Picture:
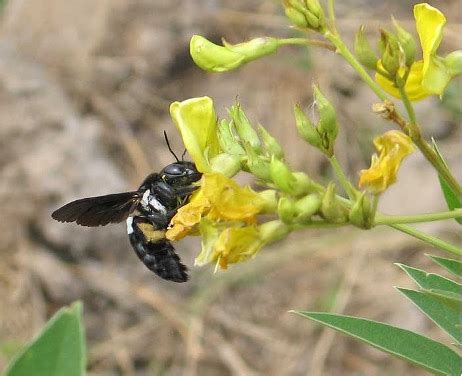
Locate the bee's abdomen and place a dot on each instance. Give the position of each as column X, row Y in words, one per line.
column 156, row 252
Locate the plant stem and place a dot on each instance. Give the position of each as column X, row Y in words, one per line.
column 429, row 217
column 345, row 183
column 413, row 130
column 309, row 42
column 436, row 242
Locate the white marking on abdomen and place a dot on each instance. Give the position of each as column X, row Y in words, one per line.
column 145, row 199
column 156, row 204
column 130, row 225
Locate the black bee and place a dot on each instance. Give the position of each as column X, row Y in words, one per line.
column 147, row 211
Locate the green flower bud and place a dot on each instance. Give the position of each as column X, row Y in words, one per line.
column 228, row 142
column 281, row 176
column 273, row 231
column 270, row 201
column 453, row 63
column 361, row 214
column 287, row 210
column 257, row 165
column 327, row 125
column 227, row 164
column 366, row 55
column 327, row 117
column 307, row 206
column 214, row 58
column 302, row 183
column 391, row 54
column 243, row 127
column 271, row 145
column 305, row 14
column 306, row 128
column 407, row 43
column 330, row 208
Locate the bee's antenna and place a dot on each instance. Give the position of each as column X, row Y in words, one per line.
column 169, row 147
column 182, row 155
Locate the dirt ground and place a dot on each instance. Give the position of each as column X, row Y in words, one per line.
column 85, row 88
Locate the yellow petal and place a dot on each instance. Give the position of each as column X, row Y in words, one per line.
column 393, row 147
column 429, row 24
column 414, row 88
column 196, row 120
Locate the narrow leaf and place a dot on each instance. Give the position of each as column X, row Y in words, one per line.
column 431, row 281
column 446, row 297
column 407, row 345
column 59, row 349
column 452, row 198
column 447, row 318
column 451, row 265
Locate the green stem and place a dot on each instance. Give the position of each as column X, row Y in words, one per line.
column 430, row 154
column 332, row 16
column 309, row 42
column 429, row 217
column 436, row 242
column 345, row 183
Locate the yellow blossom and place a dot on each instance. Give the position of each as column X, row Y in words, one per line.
column 393, row 147
column 220, row 199
column 227, row 245
column 196, row 120
column 431, row 75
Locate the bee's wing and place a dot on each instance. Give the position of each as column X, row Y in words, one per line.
column 99, row 211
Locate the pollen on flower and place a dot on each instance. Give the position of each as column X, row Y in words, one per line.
column 393, row 147
column 219, row 199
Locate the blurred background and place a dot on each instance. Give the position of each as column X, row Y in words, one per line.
column 85, row 88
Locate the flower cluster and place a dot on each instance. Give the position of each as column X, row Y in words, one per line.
column 228, row 217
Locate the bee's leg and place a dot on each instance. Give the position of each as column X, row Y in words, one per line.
column 158, row 255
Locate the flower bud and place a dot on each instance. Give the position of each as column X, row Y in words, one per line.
column 330, row 208
column 306, row 128
column 270, row 201
column 327, row 117
column 453, row 63
column 227, row 164
column 228, row 142
column 407, row 43
column 270, row 143
column 361, row 214
column 307, row 206
column 273, row 231
column 306, row 14
column 366, row 55
column 302, row 184
column 287, row 210
column 281, row 176
column 214, row 58
column 257, row 164
column 391, row 54
column 244, row 129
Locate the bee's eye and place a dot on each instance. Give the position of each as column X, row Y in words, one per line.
column 174, row 170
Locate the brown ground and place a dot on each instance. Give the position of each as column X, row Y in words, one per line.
column 84, row 94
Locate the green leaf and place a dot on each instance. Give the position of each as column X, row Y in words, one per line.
column 447, row 318
column 451, row 265
column 407, row 345
column 452, row 198
column 449, row 298
column 59, row 349
column 431, row 281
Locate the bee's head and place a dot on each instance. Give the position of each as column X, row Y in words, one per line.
column 180, row 174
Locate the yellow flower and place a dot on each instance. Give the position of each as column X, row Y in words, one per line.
column 219, row 199
column 196, row 120
column 393, row 147
column 227, row 245
column 431, row 75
